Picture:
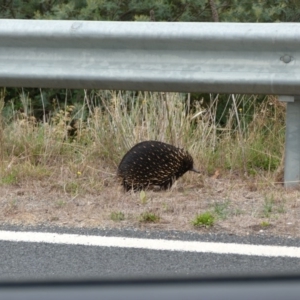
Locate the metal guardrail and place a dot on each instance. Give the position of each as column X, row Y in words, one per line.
column 156, row 56
column 177, row 57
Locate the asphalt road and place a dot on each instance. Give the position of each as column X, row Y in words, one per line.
column 30, row 260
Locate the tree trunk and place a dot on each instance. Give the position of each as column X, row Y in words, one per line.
column 152, row 15
column 214, row 11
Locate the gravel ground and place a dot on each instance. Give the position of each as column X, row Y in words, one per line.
column 239, row 207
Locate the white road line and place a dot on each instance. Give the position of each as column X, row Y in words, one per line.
column 151, row 244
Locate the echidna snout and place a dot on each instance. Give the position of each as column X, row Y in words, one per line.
column 153, row 163
column 195, row 170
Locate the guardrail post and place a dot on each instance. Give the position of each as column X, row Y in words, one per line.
column 292, row 141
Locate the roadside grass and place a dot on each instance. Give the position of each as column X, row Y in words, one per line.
column 117, row 216
column 206, row 219
column 221, row 209
column 75, row 152
column 273, row 205
column 149, row 217
column 100, row 130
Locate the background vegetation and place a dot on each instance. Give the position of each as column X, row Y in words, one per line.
column 46, row 127
column 163, row 10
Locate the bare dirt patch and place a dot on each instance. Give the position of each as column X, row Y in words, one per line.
column 239, row 207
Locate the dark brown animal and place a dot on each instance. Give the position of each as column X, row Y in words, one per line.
column 153, row 163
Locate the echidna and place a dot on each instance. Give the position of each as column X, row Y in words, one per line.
column 153, row 163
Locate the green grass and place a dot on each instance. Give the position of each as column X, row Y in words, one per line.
column 117, row 216
column 265, row 224
column 10, row 178
column 205, row 219
column 268, row 206
column 273, row 206
column 148, row 217
column 71, row 188
column 221, row 209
